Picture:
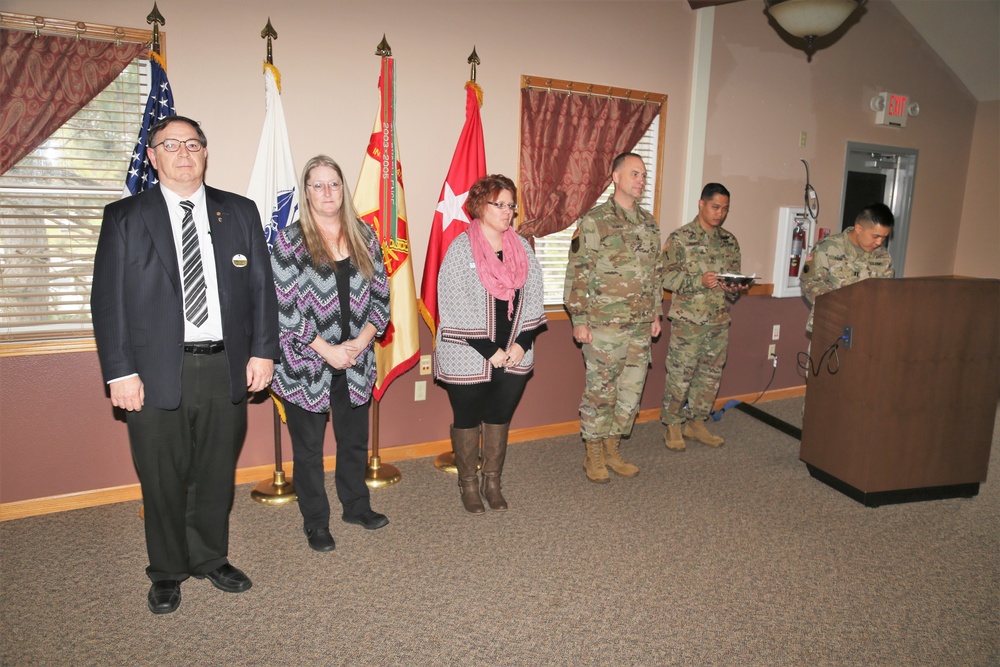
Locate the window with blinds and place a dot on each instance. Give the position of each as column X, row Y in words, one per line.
column 552, row 251
column 51, row 204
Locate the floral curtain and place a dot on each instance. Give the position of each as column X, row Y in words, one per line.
column 44, row 80
column 567, row 144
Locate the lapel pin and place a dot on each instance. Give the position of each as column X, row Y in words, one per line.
column 239, row 261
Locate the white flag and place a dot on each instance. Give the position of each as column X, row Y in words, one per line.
column 273, row 181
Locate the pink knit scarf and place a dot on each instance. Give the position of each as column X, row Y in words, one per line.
column 500, row 279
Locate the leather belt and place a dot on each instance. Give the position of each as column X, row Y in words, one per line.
column 209, row 347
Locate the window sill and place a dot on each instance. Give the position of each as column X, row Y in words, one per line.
column 36, row 347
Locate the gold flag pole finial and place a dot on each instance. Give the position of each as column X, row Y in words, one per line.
column 383, row 48
column 474, row 60
column 269, row 33
column 156, row 18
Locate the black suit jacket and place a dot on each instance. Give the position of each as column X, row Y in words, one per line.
column 137, row 300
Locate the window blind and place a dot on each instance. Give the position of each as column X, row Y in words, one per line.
column 51, row 205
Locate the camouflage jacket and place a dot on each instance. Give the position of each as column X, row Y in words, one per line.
column 614, row 269
column 690, row 253
column 836, row 262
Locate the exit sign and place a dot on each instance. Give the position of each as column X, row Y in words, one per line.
column 890, row 109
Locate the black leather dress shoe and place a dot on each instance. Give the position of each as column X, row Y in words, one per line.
column 164, row 596
column 370, row 520
column 320, row 539
column 227, row 578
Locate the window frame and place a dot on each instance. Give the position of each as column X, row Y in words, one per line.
column 81, row 340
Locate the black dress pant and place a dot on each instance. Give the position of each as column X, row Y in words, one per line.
column 490, row 402
column 350, row 428
column 186, row 460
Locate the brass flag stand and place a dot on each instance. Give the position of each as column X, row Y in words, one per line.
column 379, row 474
column 278, row 490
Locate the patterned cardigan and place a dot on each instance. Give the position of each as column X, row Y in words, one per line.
column 468, row 311
column 309, row 306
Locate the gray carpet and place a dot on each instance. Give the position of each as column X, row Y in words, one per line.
column 732, row 556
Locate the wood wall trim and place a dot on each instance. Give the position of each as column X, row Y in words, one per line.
column 71, row 501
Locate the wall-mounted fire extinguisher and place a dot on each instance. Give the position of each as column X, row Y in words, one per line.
column 798, row 242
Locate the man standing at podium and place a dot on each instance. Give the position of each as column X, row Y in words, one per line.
column 853, row 255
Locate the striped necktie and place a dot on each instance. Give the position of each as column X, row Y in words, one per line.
column 195, row 294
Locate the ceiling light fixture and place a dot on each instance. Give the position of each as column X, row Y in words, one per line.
column 810, row 19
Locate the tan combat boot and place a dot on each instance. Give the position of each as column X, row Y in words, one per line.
column 615, row 461
column 697, row 430
column 673, row 438
column 593, row 462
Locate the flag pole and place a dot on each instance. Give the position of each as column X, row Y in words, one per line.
column 278, row 490
column 155, row 18
column 445, row 461
column 380, row 474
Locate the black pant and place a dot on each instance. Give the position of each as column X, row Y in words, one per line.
column 186, row 460
column 490, row 402
column 350, row 428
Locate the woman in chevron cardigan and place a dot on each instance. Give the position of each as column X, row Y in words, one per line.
column 490, row 302
column 333, row 300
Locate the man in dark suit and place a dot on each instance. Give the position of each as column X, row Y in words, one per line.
column 186, row 323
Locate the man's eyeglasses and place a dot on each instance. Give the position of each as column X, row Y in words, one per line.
column 319, row 187
column 174, row 145
column 501, row 205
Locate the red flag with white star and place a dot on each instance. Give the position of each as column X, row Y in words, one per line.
column 450, row 218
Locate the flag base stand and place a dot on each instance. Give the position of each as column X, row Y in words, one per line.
column 378, row 474
column 445, row 461
column 275, row 492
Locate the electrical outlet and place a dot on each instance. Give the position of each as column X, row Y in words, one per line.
column 425, row 364
column 771, row 352
column 848, row 334
column 420, row 390
column 776, row 332
column 802, row 139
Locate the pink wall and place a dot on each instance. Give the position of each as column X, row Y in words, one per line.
column 979, row 236
column 59, row 433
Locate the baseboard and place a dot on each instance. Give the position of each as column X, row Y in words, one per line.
column 72, row 501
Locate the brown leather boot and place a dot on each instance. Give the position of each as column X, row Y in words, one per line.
column 697, row 430
column 673, row 438
column 494, row 453
column 465, row 443
column 613, row 459
column 593, row 462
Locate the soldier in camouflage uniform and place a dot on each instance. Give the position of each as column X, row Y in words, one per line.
column 614, row 300
column 694, row 256
column 849, row 257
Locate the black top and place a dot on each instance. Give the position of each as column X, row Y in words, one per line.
column 487, row 347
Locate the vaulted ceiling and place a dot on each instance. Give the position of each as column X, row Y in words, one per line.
column 964, row 33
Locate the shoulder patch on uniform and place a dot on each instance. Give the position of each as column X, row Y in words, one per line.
column 574, row 244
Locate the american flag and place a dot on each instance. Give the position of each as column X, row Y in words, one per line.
column 159, row 105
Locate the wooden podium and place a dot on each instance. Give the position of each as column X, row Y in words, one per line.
column 909, row 414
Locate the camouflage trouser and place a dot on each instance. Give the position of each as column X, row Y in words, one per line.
column 695, row 357
column 617, row 361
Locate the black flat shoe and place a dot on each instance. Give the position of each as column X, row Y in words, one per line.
column 227, row 578
column 371, row 520
column 320, row 539
column 164, row 596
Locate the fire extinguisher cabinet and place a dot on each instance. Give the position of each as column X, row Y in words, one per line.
column 789, row 218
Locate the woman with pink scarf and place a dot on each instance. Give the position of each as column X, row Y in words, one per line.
column 490, row 301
